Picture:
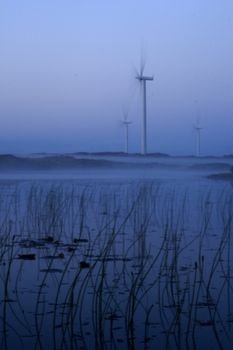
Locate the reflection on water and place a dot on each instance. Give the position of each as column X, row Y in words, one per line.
column 116, row 265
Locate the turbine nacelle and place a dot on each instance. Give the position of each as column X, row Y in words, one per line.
column 142, row 77
column 198, row 128
column 126, row 122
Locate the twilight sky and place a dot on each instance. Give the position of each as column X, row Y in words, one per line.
column 67, row 73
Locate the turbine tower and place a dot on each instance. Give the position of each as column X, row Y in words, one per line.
column 126, row 124
column 198, row 129
column 142, row 80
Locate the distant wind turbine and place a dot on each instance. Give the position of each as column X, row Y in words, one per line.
column 198, row 129
column 142, row 80
column 126, row 124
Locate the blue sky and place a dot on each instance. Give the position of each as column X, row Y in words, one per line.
column 67, row 71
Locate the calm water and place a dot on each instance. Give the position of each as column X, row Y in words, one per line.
column 115, row 259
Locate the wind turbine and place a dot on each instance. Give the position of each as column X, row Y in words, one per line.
column 126, row 124
column 142, row 80
column 198, row 129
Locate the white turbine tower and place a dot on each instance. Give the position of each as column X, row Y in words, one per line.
column 126, row 124
column 142, row 80
column 198, row 129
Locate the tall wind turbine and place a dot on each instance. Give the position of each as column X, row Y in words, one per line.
column 126, row 124
column 142, row 80
column 198, row 129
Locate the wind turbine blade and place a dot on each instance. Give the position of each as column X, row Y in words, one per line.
column 135, row 70
column 142, row 61
column 142, row 66
column 125, row 111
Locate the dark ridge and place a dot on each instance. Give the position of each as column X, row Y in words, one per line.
column 10, row 162
column 121, row 154
column 8, row 156
column 192, row 156
column 112, row 154
column 222, row 177
column 158, row 154
column 211, row 166
column 104, row 153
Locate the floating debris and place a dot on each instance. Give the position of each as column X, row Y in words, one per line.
column 84, row 265
column 206, row 304
column 184, row 268
column 26, row 256
column 51, row 270
column 112, row 317
column 80, row 240
column 71, row 249
column 8, row 300
column 206, row 323
column 114, row 258
column 48, row 239
column 29, row 243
